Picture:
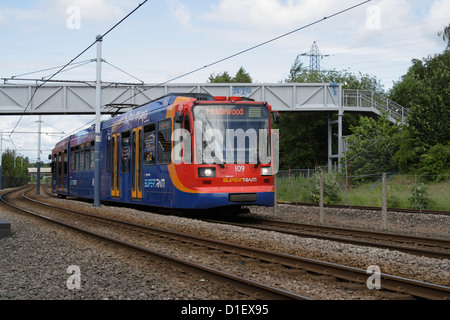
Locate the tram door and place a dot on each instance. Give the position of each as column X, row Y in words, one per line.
column 59, row 176
column 136, row 164
column 64, row 172
column 115, row 164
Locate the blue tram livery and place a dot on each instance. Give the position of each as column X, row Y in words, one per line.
column 184, row 151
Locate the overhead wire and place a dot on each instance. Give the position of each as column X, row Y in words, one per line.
column 47, row 69
column 234, row 55
column 254, row 47
column 142, row 82
column 185, row 74
column 76, row 57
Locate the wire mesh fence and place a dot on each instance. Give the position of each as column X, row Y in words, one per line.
column 402, row 191
column 8, row 182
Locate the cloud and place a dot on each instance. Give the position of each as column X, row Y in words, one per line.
column 51, row 11
column 180, row 12
column 8, row 14
column 273, row 13
column 90, row 10
column 439, row 15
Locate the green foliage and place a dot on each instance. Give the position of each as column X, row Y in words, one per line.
column 14, row 166
column 330, row 188
column 241, row 76
column 349, row 80
column 425, row 89
column 419, row 146
column 445, row 35
column 392, row 200
column 303, row 142
column 301, row 139
column 294, row 188
column 220, row 78
column 419, row 196
column 372, row 145
column 436, row 162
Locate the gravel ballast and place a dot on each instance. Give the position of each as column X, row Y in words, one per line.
column 34, row 260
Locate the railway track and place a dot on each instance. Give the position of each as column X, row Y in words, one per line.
column 344, row 206
column 422, row 246
column 292, row 265
column 242, row 285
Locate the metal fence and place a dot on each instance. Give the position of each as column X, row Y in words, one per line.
column 8, row 182
column 402, row 191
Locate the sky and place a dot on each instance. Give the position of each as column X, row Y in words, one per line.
column 164, row 39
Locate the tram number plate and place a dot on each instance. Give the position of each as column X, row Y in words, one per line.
column 239, row 168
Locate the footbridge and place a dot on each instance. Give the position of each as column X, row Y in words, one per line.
column 80, row 98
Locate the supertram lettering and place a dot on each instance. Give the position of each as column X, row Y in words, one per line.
column 239, row 180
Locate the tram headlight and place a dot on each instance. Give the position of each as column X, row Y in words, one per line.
column 266, row 171
column 206, row 172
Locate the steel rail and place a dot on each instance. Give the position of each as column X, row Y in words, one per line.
column 390, row 282
column 282, row 226
column 345, row 206
column 241, row 284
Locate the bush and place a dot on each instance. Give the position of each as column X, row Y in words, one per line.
column 330, row 189
column 392, row 200
column 436, row 162
column 419, row 196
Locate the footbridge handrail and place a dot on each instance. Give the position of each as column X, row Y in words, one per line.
column 371, row 99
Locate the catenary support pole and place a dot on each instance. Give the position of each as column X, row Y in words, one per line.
column 38, row 163
column 98, row 137
column 1, row 155
column 321, row 198
column 384, row 202
column 275, row 205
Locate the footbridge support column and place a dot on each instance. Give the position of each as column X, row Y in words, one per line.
column 331, row 138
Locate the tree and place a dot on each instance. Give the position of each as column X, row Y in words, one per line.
column 303, row 136
column 241, row 76
column 425, row 89
column 372, row 145
column 220, row 78
column 14, row 166
column 303, row 140
column 349, row 80
column 445, row 36
column 435, row 163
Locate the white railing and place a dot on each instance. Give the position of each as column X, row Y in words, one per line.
column 378, row 103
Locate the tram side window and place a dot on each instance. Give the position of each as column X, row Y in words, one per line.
column 77, row 158
column 187, row 144
column 164, row 141
column 92, row 149
column 87, row 158
column 149, row 144
column 81, row 168
column 65, row 163
column 59, row 164
column 54, row 163
column 72, row 159
column 108, row 155
column 126, row 152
